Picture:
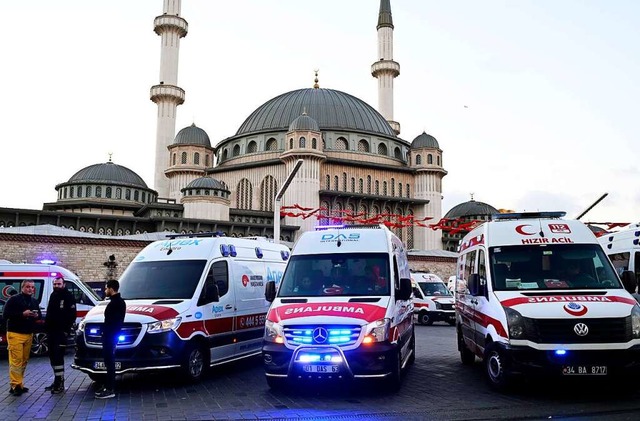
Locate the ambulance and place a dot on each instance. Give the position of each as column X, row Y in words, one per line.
column 432, row 300
column 42, row 274
column 343, row 310
column 623, row 249
column 192, row 302
column 536, row 293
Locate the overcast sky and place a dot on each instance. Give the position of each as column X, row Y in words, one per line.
column 534, row 103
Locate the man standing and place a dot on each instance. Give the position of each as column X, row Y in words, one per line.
column 61, row 314
column 21, row 313
column 113, row 320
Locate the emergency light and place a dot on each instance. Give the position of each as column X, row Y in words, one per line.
column 561, row 352
column 48, row 262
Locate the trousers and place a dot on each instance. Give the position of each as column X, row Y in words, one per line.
column 109, row 341
column 56, row 340
column 19, row 347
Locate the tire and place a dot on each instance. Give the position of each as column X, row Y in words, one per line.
column 394, row 381
column 466, row 356
column 39, row 344
column 451, row 322
column 276, row 383
column 496, row 369
column 425, row 319
column 195, row 363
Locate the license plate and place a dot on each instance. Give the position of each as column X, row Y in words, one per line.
column 321, row 368
column 584, row 370
column 99, row 365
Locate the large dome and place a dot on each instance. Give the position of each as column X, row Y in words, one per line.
column 192, row 135
column 108, row 172
column 471, row 208
column 331, row 109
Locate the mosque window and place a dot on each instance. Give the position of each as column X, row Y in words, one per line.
column 335, row 183
column 375, row 211
column 71, row 192
column 344, row 181
column 382, row 149
column 89, row 192
column 363, row 210
column 268, row 190
column 244, row 194
column 99, row 191
column 183, row 158
column 291, row 143
column 314, row 143
column 109, row 231
column 118, row 193
column 393, row 187
column 418, row 160
column 384, row 188
column 408, row 191
column 429, row 159
column 196, row 158
column 353, row 184
column 368, row 184
column 82, row 229
column 224, row 155
column 397, row 154
column 302, row 142
column 363, row 146
column 197, row 192
column 174, row 159
column 119, row 232
column 206, row 160
column 438, row 160
column 399, row 189
column 253, row 147
column 79, row 191
column 144, row 197
column 101, row 231
column 341, row 144
column 328, row 182
column 127, row 194
column 107, row 193
column 360, row 185
column 272, row 144
column 207, row 193
column 236, row 150
column 64, row 194
column 136, row 195
column 377, row 186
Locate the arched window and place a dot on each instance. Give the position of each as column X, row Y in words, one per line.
column 399, row 189
column 206, row 160
column 196, row 158
column 89, row 192
column 64, row 193
column 236, row 150
column 393, row 187
column 408, row 191
column 243, row 194
column 429, row 159
column 382, row 149
column 79, row 191
column 377, row 191
column 144, row 197
column 368, row 184
column 410, row 232
column 360, row 185
column 183, row 158
column 127, row 194
column 438, row 160
column 302, row 142
column 418, row 160
column 224, row 155
column 99, row 191
column 384, row 188
column 268, row 190
column 108, row 193
column 253, row 147
column 353, row 184
column 291, row 143
column 118, row 193
column 341, row 144
column 328, row 182
column 314, row 143
column 272, row 144
column 174, row 158
column 363, row 146
column 71, row 192
column 136, row 195
column 344, row 181
column 363, row 210
column 335, row 183
column 397, row 153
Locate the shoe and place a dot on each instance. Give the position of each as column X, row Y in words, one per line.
column 16, row 391
column 50, row 387
column 59, row 388
column 23, row 389
column 105, row 394
column 11, row 391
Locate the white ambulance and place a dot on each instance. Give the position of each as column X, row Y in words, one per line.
column 343, row 309
column 42, row 274
column 193, row 301
column 537, row 294
column 432, row 300
column 623, row 248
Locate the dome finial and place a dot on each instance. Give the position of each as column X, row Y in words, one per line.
column 304, row 110
column 315, row 85
column 472, row 196
column 110, row 154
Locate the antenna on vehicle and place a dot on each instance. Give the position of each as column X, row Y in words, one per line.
column 170, row 249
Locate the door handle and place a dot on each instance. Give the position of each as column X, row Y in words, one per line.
column 474, row 302
column 228, row 307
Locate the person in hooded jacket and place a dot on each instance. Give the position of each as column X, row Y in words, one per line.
column 61, row 314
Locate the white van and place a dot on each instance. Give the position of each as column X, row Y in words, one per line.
column 537, row 294
column 432, row 300
column 623, row 249
column 343, row 309
column 193, row 301
column 42, row 274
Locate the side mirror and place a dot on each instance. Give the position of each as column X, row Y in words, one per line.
column 405, row 289
column 270, row 291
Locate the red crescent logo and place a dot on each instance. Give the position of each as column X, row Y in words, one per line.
column 245, row 280
column 577, row 310
column 6, row 291
column 520, row 230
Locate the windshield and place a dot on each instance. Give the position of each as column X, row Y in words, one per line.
column 175, row 279
column 434, row 288
column 543, row 267
column 336, row 275
column 89, row 291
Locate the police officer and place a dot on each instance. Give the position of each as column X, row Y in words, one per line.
column 61, row 314
column 21, row 313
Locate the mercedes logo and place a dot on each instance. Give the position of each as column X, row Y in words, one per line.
column 320, row 335
column 581, row 329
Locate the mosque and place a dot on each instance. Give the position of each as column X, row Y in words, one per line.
column 356, row 167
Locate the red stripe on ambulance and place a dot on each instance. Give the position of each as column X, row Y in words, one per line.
column 365, row 312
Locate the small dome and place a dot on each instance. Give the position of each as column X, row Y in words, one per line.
column 205, row 183
column 108, row 173
column 425, row 141
column 304, row 122
column 192, row 135
column 470, row 208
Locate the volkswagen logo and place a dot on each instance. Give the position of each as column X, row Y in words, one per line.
column 320, row 335
column 581, row 329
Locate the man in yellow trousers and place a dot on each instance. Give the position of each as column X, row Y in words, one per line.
column 21, row 313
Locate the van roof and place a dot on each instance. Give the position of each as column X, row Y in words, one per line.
column 348, row 239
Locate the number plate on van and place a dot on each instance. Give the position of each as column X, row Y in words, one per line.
column 584, row 370
column 99, row 365
column 321, row 368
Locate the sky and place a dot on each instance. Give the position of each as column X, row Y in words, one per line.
column 533, row 102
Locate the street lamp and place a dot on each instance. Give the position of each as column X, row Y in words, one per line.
column 276, row 204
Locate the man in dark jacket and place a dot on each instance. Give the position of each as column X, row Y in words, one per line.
column 61, row 314
column 113, row 321
column 21, row 313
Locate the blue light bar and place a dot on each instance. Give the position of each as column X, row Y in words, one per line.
column 561, row 352
column 48, row 262
column 326, row 227
column 121, row 338
column 93, row 331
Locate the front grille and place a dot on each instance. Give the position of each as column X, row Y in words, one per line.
column 561, row 331
column 127, row 336
column 322, row 335
column 446, row 306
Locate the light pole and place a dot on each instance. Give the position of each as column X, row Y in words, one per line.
column 276, row 204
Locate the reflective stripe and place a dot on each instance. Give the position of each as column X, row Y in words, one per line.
column 58, row 367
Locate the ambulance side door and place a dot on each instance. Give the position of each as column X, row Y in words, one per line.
column 83, row 302
column 218, row 315
column 465, row 302
column 249, row 280
column 482, row 308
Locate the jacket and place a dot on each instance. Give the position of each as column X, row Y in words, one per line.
column 114, row 315
column 61, row 311
column 16, row 305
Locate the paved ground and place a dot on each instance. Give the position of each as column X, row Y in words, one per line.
column 437, row 387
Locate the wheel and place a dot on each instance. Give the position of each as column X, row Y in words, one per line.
column 39, row 344
column 425, row 319
column 276, row 383
column 394, row 381
column 451, row 322
column 412, row 349
column 195, row 363
column 496, row 367
column 98, row 378
column 466, row 356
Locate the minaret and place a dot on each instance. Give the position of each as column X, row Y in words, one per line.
column 171, row 27
column 385, row 69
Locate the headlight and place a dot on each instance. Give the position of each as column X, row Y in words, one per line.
column 81, row 326
column 273, row 332
column 163, row 325
column 438, row 306
column 377, row 331
column 515, row 323
column 635, row 321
